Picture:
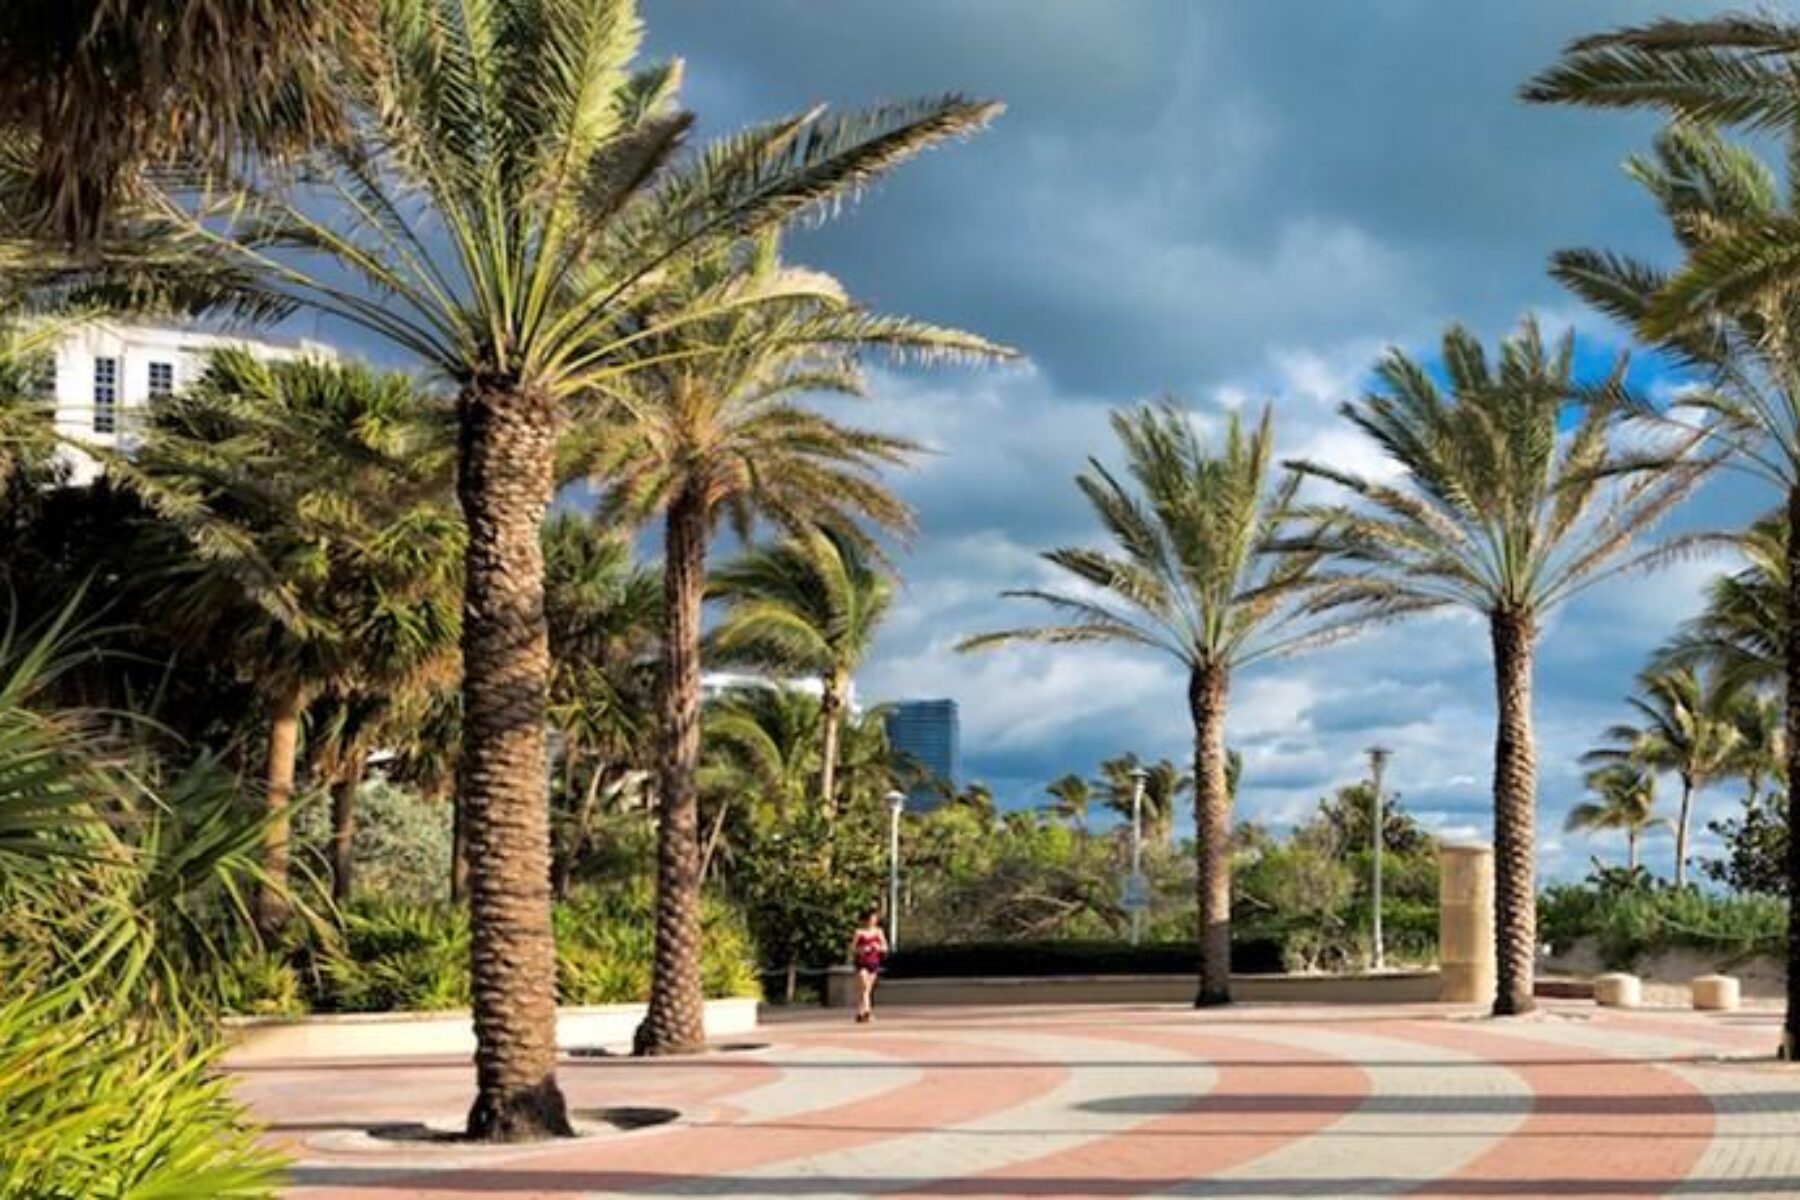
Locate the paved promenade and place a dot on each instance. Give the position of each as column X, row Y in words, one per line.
column 1251, row 1102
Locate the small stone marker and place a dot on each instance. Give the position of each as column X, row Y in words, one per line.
column 1715, row 993
column 1618, row 990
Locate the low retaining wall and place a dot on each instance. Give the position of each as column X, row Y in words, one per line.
column 1388, row 987
column 443, row 1034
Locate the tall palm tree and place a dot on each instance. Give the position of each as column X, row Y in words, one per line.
column 1198, row 571
column 1164, row 786
column 1069, row 797
column 1501, row 512
column 716, row 431
column 307, row 503
column 1761, row 753
column 1627, row 801
column 1727, row 309
column 517, row 191
column 1688, row 727
column 809, row 604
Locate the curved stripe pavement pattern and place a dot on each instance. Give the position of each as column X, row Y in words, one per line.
column 1270, row 1101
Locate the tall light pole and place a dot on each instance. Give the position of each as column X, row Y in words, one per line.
column 1378, row 756
column 896, row 806
column 1136, row 883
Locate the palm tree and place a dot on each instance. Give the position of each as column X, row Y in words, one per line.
column 1688, row 727
column 1198, row 572
column 1069, row 797
column 1627, row 801
column 1502, row 512
column 306, row 500
column 516, row 193
column 716, row 431
column 1726, row 310
column 1761, row 753
column 810, row 604
column 1740, row 630
column 101, row 90
column 603, row 610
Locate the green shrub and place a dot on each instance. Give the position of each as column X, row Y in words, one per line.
column 1630, row 924
column 401, row 846
column 606, row 940
column 391, row 956
column 259, row 983
column 99, row 1105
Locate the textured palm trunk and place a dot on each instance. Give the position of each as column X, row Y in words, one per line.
column 1681, row 830
column 1212, row 835
column 674, row 1023
column 343, row 827
column 1790, row 1029
column 270, row 908
column 504, row 484
column 831, row 717
column 1515, row 815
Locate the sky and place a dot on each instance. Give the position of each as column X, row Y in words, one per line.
column 1235, row 204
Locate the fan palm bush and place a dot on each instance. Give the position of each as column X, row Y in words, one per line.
column 1501, row 511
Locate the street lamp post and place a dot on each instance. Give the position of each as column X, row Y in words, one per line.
column 1378, row 756
column 896, row 806
column 1138, row 776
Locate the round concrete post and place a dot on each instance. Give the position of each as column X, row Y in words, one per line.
column 1465, row 924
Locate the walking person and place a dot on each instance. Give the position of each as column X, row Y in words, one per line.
column 868, row 949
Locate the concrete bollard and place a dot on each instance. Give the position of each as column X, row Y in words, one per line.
column 1715, row 993
column 1618, row 990
column 1465, row 924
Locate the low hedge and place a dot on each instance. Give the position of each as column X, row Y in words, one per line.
column 968, row 960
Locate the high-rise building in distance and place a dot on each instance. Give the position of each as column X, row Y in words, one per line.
column 929, row 733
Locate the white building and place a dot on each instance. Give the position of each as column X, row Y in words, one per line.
column 104, row 372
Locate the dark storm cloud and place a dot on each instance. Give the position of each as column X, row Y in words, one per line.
column 1236, row 202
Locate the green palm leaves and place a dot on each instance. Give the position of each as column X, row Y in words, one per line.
column 1198, row 568
column 1500, row 510
column 810, row 605
column 1626, row 801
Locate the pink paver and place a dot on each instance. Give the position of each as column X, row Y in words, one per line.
column 1118, row 1101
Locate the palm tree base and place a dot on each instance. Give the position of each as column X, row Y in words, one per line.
column 1212, row 999
column 1513, row 1006
column 533, row 1114
column 647, row 1044
column 1788, row 1051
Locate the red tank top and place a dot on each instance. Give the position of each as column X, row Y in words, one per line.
column 868, row 948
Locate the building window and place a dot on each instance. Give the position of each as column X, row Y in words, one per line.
column 162, row 379
column 106, row 395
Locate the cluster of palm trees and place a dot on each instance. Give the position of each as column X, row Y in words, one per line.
column 510, row 197
column 1495, row 506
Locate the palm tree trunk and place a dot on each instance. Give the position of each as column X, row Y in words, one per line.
column 343, row 826
column 504, row 485
column 831, row 715
column 675, row 1021
column 1790, row 1029
column 1631, row 849
column 1212, row 834
column 270, row 909
column 1681, row 830
column 1515, row 814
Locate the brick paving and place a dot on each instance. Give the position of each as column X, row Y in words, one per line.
column 1253, row 1101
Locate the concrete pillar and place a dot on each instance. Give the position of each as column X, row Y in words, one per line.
column 1616, row 989
column 1466, row 924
